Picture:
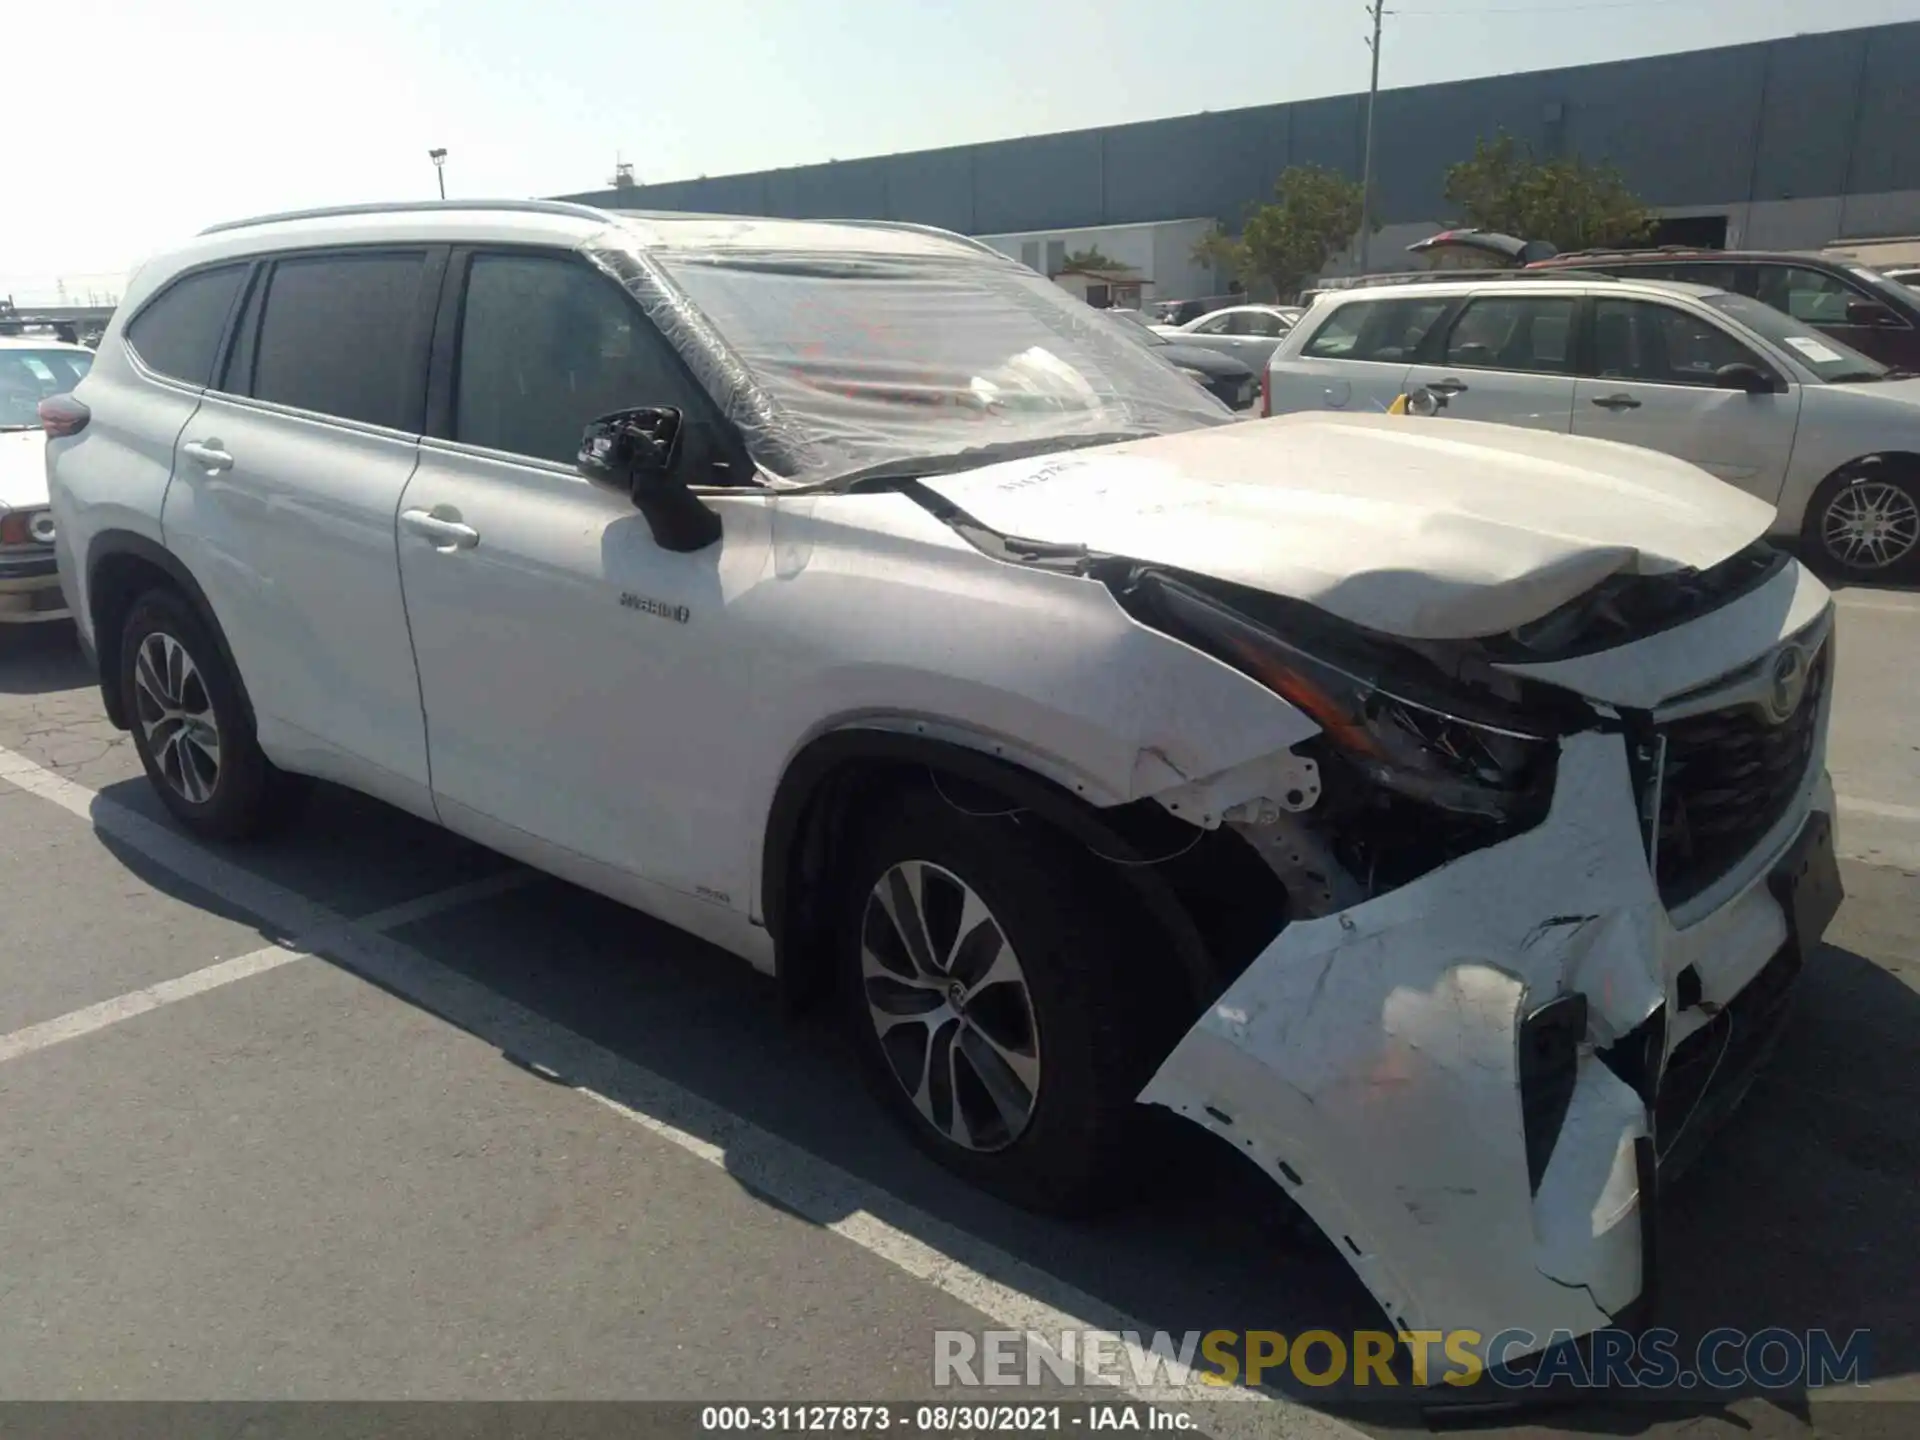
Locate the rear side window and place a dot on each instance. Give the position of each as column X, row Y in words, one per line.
column 178, row 334
column 547, row 344
column 337, row 336
column 1530, row 333
column 1379, row 330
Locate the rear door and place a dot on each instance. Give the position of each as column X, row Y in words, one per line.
column 1357, row 354
column 283, row 504
column 1649, row 379
column 1507, row 358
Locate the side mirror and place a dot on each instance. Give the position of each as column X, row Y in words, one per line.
column 1740, row 376
column 1869, row 312
column 637, row 454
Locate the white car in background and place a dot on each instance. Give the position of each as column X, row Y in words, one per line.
column 31, row 370
column 1246, row 332
column 1439, row 815
column 1824, row 434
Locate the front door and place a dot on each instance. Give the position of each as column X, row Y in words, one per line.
column 1507, row 359
column 1653, row 384
column 578, row 680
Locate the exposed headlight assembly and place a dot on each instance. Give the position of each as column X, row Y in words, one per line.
column 1468, row 757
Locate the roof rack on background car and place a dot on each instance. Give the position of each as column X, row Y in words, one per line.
column 1453, row 277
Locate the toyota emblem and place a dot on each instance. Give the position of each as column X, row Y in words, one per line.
column 1786, row 682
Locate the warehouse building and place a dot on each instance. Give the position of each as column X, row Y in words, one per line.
column 1791, row 143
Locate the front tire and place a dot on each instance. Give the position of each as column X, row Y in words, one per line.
column 190, row 725
column 1865, row 524
column 999, row 999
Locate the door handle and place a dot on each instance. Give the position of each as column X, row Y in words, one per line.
column 445, row 531
column 208, row 454
column 1616, row 402
column 1446, row 387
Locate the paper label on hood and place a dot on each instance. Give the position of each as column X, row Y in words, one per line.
column 1814, row 350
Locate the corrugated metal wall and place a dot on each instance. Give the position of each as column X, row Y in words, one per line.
column 1815, row 115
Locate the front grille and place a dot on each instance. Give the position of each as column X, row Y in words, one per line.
column 1729, row 776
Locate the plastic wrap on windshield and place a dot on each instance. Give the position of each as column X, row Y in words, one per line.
column 778, row 443
column 832, row 359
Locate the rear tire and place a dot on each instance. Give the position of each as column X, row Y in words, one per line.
column 1864, row 524
column 1023, row 1085
column 191, row 727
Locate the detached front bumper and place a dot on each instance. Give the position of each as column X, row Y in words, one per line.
column 1372, row 1060
column 30, row 590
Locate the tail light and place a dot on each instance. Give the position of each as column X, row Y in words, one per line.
column 63, row 415
column 1266, row 391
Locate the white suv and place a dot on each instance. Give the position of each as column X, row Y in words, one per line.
column 851, row 596
column 1828, row 436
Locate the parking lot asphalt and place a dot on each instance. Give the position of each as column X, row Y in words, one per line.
column 370, row 1113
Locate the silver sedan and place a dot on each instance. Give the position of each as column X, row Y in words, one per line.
column 1249, row 333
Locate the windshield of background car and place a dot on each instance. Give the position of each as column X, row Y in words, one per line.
column 1887, row 287
column 879, row 359
column 1819, row 352
column 29, row 376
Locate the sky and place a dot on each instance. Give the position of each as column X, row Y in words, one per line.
column 156, row 120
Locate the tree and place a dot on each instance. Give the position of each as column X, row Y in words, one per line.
column 1092, row 260
column 1315, row 215
column 1565, row 201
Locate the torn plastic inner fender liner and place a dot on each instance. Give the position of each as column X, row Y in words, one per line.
column 1367, row 1059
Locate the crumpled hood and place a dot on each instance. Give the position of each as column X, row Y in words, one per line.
column 1433, row 529
column 23, row 468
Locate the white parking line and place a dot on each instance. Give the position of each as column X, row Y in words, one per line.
column 1879, row 809
column 88, row 1019
column 1878, row 600
column 951, row 1260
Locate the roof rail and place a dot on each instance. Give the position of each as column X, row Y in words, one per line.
column 915, row 228
column 414, row 207
column 1455, row 277
column 1635, row 250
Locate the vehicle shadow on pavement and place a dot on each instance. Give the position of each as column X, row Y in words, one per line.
column 39, row 659
column 1799, row 1216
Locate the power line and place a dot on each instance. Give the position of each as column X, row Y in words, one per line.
column 1550, row 10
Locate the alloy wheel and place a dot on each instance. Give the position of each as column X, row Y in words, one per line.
column 951, row 1005
column 176, row 717
column 1871, row 525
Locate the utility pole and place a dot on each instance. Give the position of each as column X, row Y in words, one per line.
column 1378, row 10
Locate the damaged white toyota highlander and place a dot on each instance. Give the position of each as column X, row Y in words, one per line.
column 1437, row 814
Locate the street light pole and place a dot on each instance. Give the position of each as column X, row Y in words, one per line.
column 439, row 158
column 1378, row 10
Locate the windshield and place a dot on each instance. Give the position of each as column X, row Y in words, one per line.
column 1825, row 356
column 29, row 376
column 1890, row 288
column 877, row 360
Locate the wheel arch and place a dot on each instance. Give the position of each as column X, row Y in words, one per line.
column 1907, row 461
column 828, row 781
column 121, row 566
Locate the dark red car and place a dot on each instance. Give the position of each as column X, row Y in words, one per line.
column 1849, row 301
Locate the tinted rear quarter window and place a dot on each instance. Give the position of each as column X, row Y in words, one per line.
column 178, row 333
column 337, row 336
